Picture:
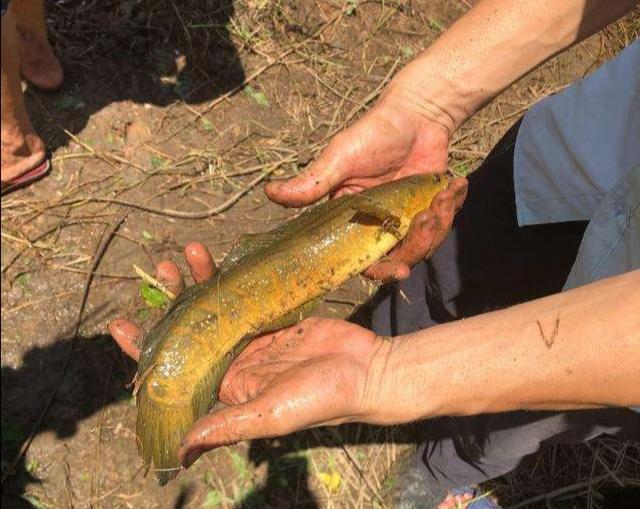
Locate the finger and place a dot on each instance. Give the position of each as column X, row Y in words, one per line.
column 126, row 334
column 388, row 270
column 411, row 250
column 419, row 240
column 200, row 262
column 336, row 164
column 444, row 208
column 251, row 420
column 459, row 187
column 170, row 275
column 321, row 177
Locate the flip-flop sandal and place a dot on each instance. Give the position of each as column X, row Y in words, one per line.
column 27, row 178
column 479, row 500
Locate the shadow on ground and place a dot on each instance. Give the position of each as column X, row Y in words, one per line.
column 145, row 52
column 97, row 376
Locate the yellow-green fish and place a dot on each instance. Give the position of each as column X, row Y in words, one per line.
column 266, row 282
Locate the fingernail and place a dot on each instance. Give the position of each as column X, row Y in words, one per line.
column 190, row 459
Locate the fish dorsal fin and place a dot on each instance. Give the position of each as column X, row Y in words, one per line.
column 249, row 244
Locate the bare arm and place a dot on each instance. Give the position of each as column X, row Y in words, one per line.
column 576, row 349
column 490, row 47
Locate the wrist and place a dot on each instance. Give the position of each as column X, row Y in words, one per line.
column 396, row 389
column 432, row 94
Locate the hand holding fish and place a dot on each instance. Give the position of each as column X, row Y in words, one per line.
column 311, row 374
column 127, row 334
column 390, row 142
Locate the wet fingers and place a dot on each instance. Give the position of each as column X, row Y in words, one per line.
column 170, row 275
column 200, row 262
column 127, row 335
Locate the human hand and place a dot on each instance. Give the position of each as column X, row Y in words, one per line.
column 427, row 231
column 313, row 374
column 126, row 333
column 390, row 142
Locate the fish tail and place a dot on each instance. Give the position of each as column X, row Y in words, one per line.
column 161, row 426
column 160, row 429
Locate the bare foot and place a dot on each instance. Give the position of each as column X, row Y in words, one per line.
column 38, row 64
column 20, row 152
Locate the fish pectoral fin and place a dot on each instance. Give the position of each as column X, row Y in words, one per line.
column 368, row 207
column 294, row 316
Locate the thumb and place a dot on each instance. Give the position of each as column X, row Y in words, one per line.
column 330, row 170
column 227, row 426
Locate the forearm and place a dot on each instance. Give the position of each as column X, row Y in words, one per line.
column 489, row 48
column 577, row 349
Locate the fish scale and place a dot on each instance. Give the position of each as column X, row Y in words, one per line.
column 266, row 282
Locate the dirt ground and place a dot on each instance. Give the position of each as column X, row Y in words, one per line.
column 172, row 116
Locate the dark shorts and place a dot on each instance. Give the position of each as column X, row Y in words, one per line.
column 3, row 6
column 488, row 262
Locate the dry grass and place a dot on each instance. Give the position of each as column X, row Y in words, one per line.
column 198, row 146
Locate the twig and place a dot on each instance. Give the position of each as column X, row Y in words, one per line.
column 118, row 486
column 559, row 491
column 178, row 213
column 106, row 240
column 355, row 464
column 604, row 465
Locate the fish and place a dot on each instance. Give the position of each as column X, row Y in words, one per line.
column 267, row 281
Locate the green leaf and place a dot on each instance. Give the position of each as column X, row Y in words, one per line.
column 146, row 235
column 407, row 51
column 258, row 97
column 390, row 482
column 213, row 499
column 461, row 169
column 435, row 25
column 69, row 102
column 239, row 464
column 208, row 478
column 32, row 466
column 206, row 125
column 352, row 5
column 156, row 161
column 23, row 281
column 35, row 502
column 154, row 297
